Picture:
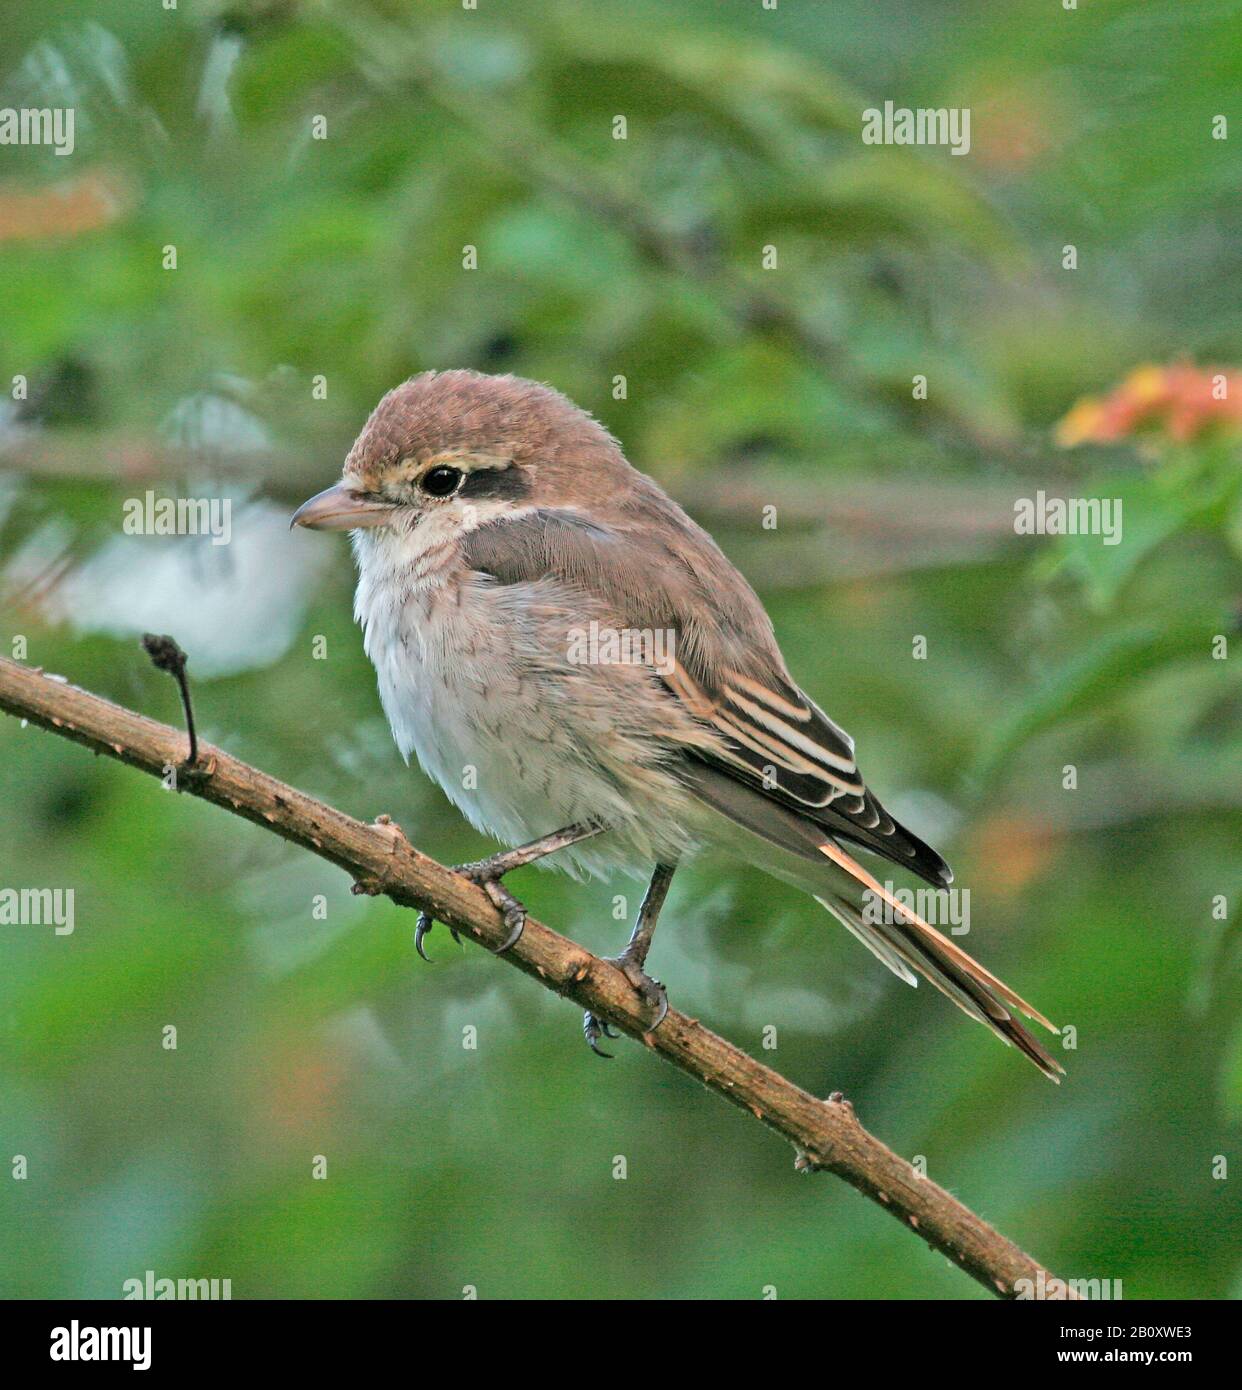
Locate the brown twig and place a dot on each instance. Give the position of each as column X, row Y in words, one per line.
column 128, row 460
column 166, row 655
column 826, row 1134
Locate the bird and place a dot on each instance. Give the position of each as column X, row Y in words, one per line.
column 593, row 683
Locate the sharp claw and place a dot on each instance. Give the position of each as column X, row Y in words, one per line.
column 663, row 1008
column 421, row 928
column 592, row 1028
column 515, row 920
column 652, row 992
column 512, row 938
column 514, row 913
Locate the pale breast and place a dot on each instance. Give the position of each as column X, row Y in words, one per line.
column 477, row 684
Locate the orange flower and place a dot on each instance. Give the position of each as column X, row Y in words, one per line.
column 1175, row 403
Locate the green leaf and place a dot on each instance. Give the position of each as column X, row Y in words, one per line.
column 1152, row 509
column 1084, row 683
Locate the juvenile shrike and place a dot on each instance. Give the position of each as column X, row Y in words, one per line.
column 579, row 666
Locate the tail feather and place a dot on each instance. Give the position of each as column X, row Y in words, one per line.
column 794, row 848
column 909, row 943
column 849, row 917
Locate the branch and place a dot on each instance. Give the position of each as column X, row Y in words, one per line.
column 735, row 493
column 126, row 460
column 857, row 529
column 826, row 1134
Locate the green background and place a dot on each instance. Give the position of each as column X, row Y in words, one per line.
column 303, row 1034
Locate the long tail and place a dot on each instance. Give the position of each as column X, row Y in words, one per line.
column 908, row 944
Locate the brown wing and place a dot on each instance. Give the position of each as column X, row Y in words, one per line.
column 783, row 743
column 729, row 671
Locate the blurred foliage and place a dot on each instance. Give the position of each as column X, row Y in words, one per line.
column 305, row 1032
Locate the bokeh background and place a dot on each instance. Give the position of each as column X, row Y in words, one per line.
column 304, row 1032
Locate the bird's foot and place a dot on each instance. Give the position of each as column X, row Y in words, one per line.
column 486, row 873
column 593, row 1029
column 651, row 991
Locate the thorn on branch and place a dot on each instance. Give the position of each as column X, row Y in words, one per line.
column 838, row 1098
column 166, row 655
column 400, row 840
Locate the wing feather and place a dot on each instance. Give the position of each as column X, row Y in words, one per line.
column 729, row 671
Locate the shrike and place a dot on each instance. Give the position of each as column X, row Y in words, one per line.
column 586, row 675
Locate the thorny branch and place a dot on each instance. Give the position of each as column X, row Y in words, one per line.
column 825, row 1134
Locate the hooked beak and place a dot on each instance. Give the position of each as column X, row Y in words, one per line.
column 338, row 509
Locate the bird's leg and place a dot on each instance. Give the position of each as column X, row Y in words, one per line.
column 488, row 872
column 632, row 960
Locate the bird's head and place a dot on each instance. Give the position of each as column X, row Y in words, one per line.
column 463, row 448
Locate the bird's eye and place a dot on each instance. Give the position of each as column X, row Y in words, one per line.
column 440, row 482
